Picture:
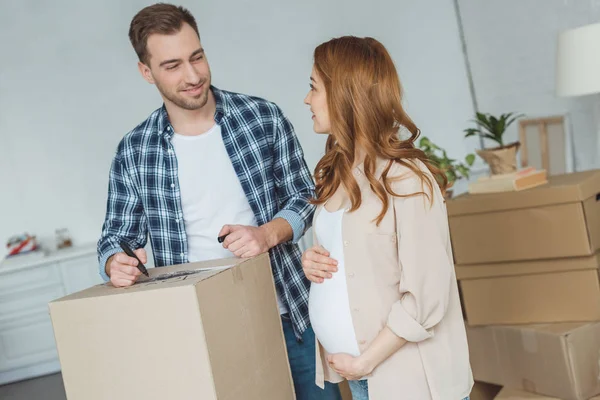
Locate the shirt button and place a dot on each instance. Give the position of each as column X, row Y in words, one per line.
column 346, row 243
column 362, row 342
column 172, row 185
column 177, row 220
column 182, row 254
column 351, row 275
column 170, row 151
column 355, row 309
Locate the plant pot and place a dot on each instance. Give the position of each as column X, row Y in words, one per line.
column 502, row 160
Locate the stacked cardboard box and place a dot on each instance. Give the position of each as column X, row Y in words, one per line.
column 526, row 258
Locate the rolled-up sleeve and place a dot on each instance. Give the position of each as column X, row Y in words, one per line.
column 294, row 184
column 425, row 263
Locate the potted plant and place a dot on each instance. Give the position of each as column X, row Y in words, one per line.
column 453, row 169
column 502, row 159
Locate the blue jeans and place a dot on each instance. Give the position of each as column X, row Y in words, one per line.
column 303, row 364
column 360, row 390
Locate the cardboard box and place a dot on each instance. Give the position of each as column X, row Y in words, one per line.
column 193, row 331
column 515, row 394
column 560, row 219
column 484, row 391
column 560, row 360
column 545, row 291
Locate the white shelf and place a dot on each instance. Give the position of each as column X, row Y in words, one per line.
column 27, row 283
column 37, row 258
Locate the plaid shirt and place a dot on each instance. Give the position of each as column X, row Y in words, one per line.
column 144, row 196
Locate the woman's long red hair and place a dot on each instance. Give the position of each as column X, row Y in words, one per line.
column 364, row 98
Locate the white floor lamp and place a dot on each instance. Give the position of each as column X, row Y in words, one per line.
column 578, row 68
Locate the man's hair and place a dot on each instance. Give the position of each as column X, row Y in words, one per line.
column 161, row 18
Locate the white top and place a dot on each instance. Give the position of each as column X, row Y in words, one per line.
column 328, row 304
column 211, row 194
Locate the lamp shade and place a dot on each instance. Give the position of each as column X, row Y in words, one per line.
column 578, row 61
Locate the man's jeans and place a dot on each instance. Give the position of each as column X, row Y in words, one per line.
column 302, row 362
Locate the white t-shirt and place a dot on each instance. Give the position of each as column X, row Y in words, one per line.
column 211, row 194
column 328, row 304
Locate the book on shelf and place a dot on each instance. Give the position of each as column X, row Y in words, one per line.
column 526, row 178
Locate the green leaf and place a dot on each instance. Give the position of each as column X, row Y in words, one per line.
column 501, row 127
column 510, row 121
column 451, row 175
column 464, row 171
column 470, row 159
column 490, row 136
column 484, row 121
column 471, row 132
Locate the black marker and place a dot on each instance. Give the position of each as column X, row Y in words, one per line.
column 221, row 239
column 130, row 253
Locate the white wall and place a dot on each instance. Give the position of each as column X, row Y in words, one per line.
column 69, row 87
column 512, row 48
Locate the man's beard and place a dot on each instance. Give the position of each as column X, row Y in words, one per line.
column 186, row 103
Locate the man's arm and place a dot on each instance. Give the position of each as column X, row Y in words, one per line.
column 125, row 220
column 295, row 188
column 293, row 181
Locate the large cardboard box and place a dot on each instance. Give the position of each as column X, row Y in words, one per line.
column 194, row 331
column 560, row 360
column 515, row 394
column 544, row 291
column 560, row 219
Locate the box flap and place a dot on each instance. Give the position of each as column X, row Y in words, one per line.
column 567, row 188
column 478, row 271
column 480, row 391
column 160, row 278
column 559, row 329
column 516, row 394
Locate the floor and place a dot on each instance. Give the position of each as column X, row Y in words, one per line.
column 48, row 387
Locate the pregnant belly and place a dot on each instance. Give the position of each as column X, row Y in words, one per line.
column 330, row 317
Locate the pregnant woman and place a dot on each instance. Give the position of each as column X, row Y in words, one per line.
column 384, row 300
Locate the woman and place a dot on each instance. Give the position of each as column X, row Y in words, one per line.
column 384, row 301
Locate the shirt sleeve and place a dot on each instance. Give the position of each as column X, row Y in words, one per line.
column 293, row 181
column 425, row 262
column 125, row 218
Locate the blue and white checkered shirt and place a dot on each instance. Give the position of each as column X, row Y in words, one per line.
column 144, row 196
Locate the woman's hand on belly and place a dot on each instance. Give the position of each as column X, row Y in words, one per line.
column 349, row 367
column 317, row 264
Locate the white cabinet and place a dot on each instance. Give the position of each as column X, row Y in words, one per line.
column 27, row 284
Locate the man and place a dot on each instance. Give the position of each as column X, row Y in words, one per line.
column 208, row 164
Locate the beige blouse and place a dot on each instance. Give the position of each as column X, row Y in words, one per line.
column 401, row 274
